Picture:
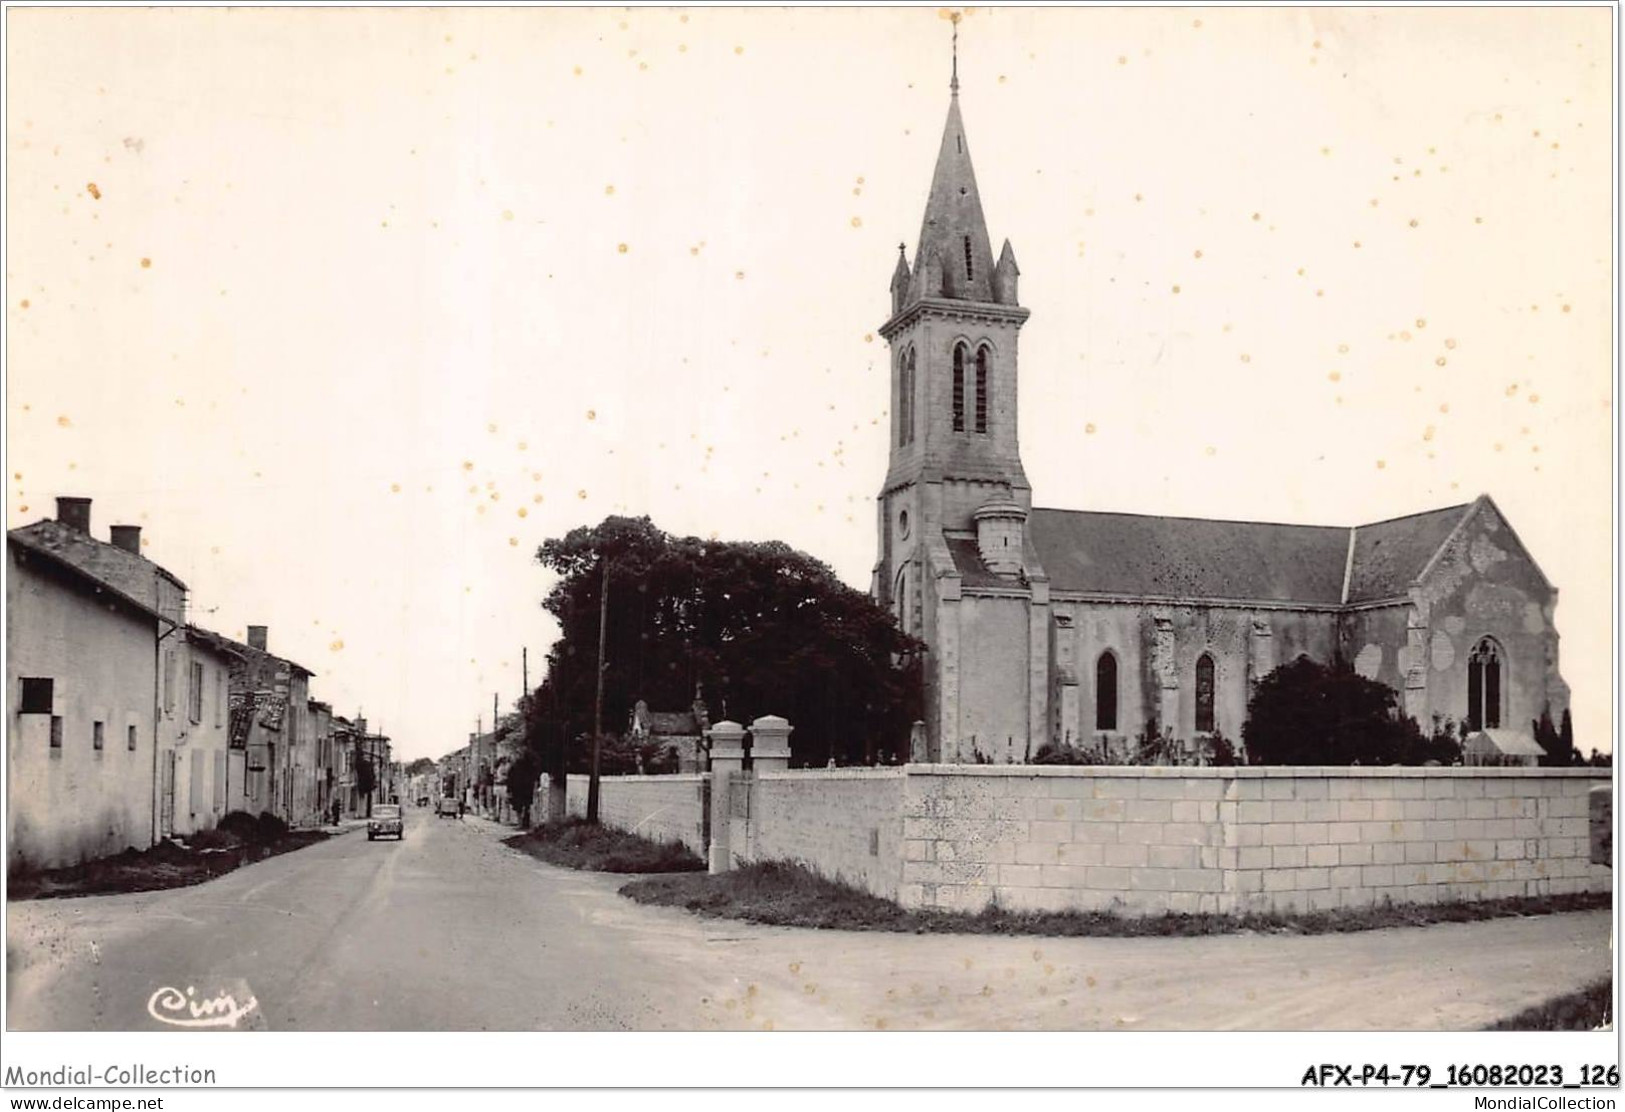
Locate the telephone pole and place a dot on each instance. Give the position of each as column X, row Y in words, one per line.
column 598, row 699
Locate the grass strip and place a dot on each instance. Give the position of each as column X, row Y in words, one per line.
column 578, row 844
column 787, row 895
column 1586, row 1010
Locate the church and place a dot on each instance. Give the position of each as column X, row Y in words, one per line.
column 1072, row 627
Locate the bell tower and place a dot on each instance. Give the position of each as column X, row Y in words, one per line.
column 952, row 338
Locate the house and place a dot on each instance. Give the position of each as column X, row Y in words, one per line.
column 270, row 733
column 194, row 733
column 1074, row 627
column 85, row 623
column 681, row 733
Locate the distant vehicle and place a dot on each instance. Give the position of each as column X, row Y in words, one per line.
column 385, row 821
column 446, row 806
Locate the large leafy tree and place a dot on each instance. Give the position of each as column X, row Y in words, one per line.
column 1309, row 713
column 757, row 628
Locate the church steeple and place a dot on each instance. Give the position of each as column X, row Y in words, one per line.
column 953, row 235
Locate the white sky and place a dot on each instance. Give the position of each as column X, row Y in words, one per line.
column 388, row 308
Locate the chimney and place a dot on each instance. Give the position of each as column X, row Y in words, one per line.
column 256, row 638
column 74, row 512
column 127, row 537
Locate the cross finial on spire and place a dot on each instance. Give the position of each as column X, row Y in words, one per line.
column 953, row 83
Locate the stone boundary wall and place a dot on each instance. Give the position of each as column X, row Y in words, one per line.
column 661, row 808
column 844, row 824
column 1147, row 840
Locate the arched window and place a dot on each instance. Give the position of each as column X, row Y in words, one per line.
column 1204, row 694
column 959, row 387
column 1106, row 692
column 981, row 389
column 908, row 428
column 902, row 398
column 901, row 601
column 1484, row 685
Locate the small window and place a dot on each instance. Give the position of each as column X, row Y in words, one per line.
column 1204, row 694
column 959, row 387
column 1106, row 692
column 98, row 736
column 970, row 267
column 38, row 695
column 981, row 390
column 129, row 738
column 56, row 731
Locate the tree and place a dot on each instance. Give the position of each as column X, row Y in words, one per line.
column 1565, row 735
column 1551, row 740
column 759, row 628
column 523, row 772
column 365, row 782
column 423, row 766
column 1308, row 713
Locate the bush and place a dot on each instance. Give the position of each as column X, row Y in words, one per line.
column 1308, row 713
column 242, row 826
column 213, row 839
column 272, row 829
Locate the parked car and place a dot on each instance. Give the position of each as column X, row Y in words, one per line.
column 385, row 821
column 446, row 806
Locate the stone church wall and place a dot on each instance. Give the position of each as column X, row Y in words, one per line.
column 1246, row 644
column 993, row 632
column 1484, row 585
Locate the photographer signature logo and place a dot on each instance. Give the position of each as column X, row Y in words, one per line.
column 185, row 1009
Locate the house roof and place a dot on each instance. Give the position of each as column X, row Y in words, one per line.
column 1514, row 743
column 57, row 558
column 1148, row 556
column 213, row 642
column 135, row 578
column 242, row 651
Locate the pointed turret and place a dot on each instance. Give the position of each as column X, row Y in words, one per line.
column 1005, row 275
column 954, row 228
column 900, row 281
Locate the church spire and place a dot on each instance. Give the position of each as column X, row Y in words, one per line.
column 953, row 257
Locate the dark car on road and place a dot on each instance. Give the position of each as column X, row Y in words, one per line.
column 386, row 822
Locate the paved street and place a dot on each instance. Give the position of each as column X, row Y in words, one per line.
column 450, row 930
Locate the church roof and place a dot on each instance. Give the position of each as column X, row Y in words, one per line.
column 1389, row 555
column 1147, row 556
column 1188, row 557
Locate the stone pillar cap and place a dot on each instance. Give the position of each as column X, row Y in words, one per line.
column 771, row 722
column 726, row 729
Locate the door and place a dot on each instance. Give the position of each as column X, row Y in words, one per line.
column 166, row 806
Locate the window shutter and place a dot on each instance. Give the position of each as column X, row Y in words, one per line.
column 195, row 794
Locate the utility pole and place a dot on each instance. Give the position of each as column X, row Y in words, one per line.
column 524, row 677
column 598, row 699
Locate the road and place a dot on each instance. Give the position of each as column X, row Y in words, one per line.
column 450, row 930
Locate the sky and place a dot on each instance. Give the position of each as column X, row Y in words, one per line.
column 350, row 310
